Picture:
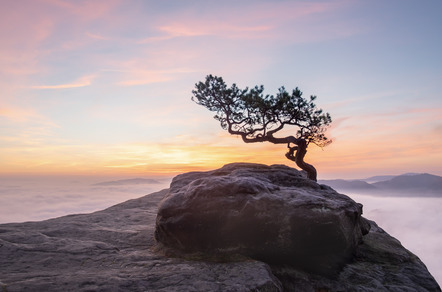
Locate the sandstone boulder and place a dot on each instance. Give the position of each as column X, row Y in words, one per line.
column 270, row 213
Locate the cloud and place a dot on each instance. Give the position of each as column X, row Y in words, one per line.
column 438, row 129
column 81, row 82
column 87, row 10
column 177, row 155
column 96, row 36
column 24, row 116
column 22, row 30
column 133, row 72
column 24, row 132
column 337, row 105
column 142, row 77
column 263, row 20
column 33, row 31
column 16, row 114
column 202, row 29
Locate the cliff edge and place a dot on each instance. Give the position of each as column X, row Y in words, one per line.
column 302, row 237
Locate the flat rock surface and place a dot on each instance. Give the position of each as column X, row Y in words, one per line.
column 112, row 250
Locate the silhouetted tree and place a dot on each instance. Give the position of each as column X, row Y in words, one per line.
column 257, row 117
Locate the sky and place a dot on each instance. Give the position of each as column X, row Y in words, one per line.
column 103, row 87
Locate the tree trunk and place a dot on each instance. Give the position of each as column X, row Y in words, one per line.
column 298, row 158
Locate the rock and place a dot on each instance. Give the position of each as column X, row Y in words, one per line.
column 113, row 250
column 381, row 264
column 269, row 213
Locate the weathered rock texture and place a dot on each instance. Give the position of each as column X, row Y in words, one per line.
column 381, row 264
column 112, row 250
column 115, row 250
column 270, row 213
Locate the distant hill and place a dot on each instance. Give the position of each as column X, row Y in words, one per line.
column 131, row 181
column 409, row 184
column 379, row 178
column 412, row 182
column 348, row 184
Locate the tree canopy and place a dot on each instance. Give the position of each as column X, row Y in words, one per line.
column 257, row 117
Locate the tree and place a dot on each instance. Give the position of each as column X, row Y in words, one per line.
column 257, row 117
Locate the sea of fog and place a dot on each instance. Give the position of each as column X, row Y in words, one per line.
column 415, row 222
column 39, row 198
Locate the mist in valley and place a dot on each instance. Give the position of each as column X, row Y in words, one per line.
column 415, row 221
column 39, row 198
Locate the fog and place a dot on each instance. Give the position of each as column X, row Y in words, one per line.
column 415, row 222
column 34, row 199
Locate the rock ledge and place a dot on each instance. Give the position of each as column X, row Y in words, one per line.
column 114, row 250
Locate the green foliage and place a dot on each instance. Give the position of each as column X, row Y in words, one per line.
column 253, row 115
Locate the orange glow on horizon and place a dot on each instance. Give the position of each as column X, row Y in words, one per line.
column 337, row 160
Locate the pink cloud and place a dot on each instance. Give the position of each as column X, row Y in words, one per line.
column 263, row 20
column 142, row 78
column 96, row 36
column 81, row 82
column 25, row 25
column 17, row 114
column 153, row 68
column 22, row 29
column 203, row 29
column 86, row 9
